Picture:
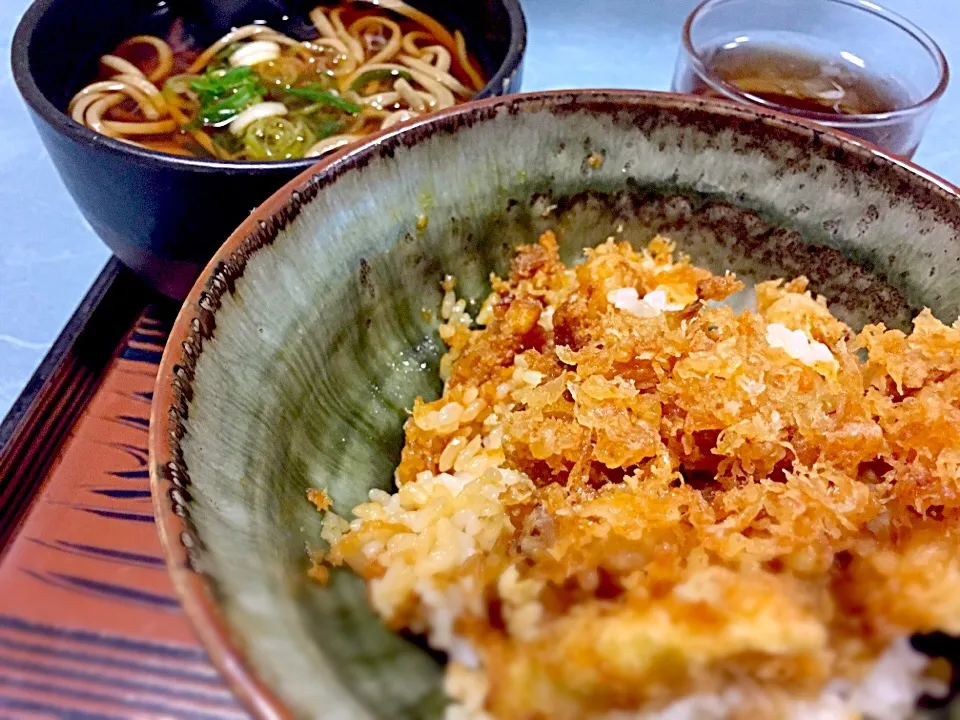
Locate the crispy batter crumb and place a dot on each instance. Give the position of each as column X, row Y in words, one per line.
column 595, row 160
column 319, row 498
column 318, row 571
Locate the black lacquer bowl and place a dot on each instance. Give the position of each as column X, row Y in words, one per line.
column 163, row 215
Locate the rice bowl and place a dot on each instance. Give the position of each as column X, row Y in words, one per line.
column 298, row 355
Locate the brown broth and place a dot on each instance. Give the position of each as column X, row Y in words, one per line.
column 352, row 12
column 185, row 51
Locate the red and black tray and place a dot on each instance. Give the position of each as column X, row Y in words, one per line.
column 90, row 627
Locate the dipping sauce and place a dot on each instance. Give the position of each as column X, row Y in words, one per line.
column 837, row 90
column 804, row 83
column 846, row 64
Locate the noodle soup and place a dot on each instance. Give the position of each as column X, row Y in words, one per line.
column 258, row 94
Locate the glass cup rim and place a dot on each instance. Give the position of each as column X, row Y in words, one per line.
column 733, row 92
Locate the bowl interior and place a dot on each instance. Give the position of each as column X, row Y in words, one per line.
column 293, row 365
column 68, row 39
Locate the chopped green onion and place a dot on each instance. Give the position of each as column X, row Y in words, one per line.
column 223, row 110
column 226, row 93
column 376, row 76
column 323, row 127
column 218, row 82
column 227, row 142
column 179, row 84
column 311, row 109
column 275, row 138
column 321, row 120
column 224, row 55
column 315, row 94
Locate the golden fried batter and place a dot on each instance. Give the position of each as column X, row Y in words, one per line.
column 629, row 494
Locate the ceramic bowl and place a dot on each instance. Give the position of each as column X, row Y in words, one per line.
column 165, row 215
column 304, row 341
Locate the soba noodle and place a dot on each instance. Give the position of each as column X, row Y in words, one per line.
column 257, row 94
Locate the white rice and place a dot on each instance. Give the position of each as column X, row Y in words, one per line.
column 890, row 691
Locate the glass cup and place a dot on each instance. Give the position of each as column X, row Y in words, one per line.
column 846, row 64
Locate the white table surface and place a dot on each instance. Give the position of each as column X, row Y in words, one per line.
column 49, row 256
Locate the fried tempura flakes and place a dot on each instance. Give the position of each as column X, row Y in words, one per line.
column 610, row 510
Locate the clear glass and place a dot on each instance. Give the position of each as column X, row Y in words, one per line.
column 846, row 38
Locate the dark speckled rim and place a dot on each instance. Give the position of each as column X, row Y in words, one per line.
column 501, row 81
column 169, row 477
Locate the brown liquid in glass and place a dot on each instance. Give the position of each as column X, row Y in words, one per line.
column 810, row 86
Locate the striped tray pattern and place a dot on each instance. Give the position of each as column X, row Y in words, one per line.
column 90, row 628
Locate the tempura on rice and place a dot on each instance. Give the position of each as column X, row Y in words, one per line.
column 632, row 501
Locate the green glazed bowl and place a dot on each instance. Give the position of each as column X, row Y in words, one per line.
column 303, row 343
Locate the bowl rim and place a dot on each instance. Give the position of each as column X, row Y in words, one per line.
column 196, row 320
column 66, row 127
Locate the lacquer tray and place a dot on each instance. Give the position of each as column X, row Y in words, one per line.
column 90, row 627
